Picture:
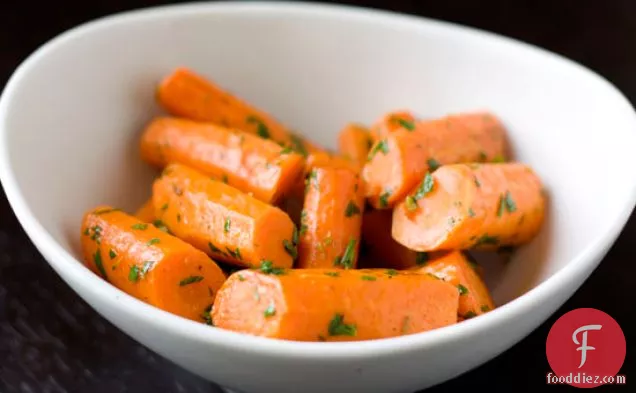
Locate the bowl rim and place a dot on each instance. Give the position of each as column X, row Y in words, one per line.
column 66, row 264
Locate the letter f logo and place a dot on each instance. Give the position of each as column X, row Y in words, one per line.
column 584, row 347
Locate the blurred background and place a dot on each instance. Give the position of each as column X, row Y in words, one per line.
column 51, row 341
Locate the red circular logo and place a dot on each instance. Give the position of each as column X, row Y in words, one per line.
column 585, row 348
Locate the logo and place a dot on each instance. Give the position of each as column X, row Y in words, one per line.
column 586, row 348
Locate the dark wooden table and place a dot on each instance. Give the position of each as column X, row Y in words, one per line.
column 51, row 341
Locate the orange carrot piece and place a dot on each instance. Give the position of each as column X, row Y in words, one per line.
column 222, row 221
column 244, row 161
column 148, row 263
column 146, row 212
column 333, row 304
column 398, row 161
column 471, row 205
column 331, row 219
column 391, row 122
column 454, row 268
column 380, row 249
column 187, row 94
column 354, row 142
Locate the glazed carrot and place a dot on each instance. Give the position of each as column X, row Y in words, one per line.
column 244, row 161
column 187, row 94
column 380, row 250
column 398, row 161
column 222, row 221
column 333, row 304
column 454, row 268
column 391, row 122
column 148, row 263
column 354, row 142
column 146, row 212
column 471, row 205
column 331, row 218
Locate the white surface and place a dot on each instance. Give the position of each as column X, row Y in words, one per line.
column 71, row 115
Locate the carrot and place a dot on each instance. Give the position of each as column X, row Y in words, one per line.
column 146, row 212
column 391, row 122
column 354, row 142
column 333, row 304
column 454, row 268
column 222, row 221
column 148, row 263
column 471, row 205
column 379, row 249
column 244, row 161
column 187, row 94
column 331, row 219
column 399, row 160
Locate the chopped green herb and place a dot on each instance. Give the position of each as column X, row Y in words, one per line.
column 471, row 212
column 384, row 198
column 86, row 232
column 321, row 338
column 99, row 263
column 470, row 314
column 190, row 280
column 312, row 176
column 410, row 203
column 104, row 211
column 303, row 229
column 391, row 272
column 462, row 289
column 485, row 308
column 295, row 236
column 501, row 207
column 261, row 128
column 482, row 156
column 214, row 248
column 267, row 267
column 298, row 144
column 433, row 164
column 352, row 209
column 425, row 187
column 421, row 258
column 332, row 274
column 133, row 274
column 234, row 253
column 112, row 254
column 97, row 234
column 290, row 248
column 152, row 241
column 206, row 315
column 431, row 275
column 270, row 311
column 511, row 206
column 487, row 240
column 178, row 217
column 477, row 183
column 140, row 226
column 368, row 278
column 499, row 159
column 337, row 327
column 405, row 324
column 286, row 150
column 471, row 261
column 241, row 278
column 382, row 146
column 225, row 179
column 226, row 225
column 164, row 207
column 161, row 226
column 348, row 257
column 409, row 125
column 369, row 143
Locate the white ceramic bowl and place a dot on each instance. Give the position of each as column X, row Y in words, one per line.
column 70, row 119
